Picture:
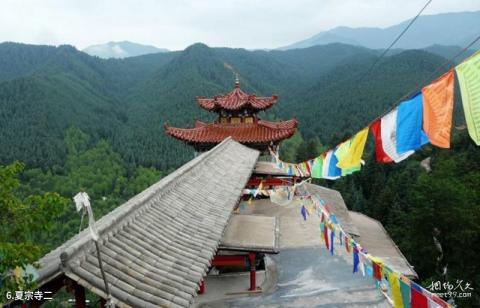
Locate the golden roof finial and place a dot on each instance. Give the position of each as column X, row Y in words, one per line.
column 237, row 81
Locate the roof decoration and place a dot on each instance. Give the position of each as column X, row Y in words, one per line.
column 236, row 100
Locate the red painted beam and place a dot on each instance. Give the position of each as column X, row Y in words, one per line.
column 268, row 182
column 229, row 261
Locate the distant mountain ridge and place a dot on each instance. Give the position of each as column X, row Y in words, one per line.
column 122, row 49
column 449, row 29
column 125, row 102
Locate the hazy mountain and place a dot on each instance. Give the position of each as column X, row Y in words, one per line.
column 442, row 29
column 123, row 49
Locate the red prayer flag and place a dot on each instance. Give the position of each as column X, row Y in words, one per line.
column 380, row 154
column 377, row 271
column 307, row 166
column 325, row 235
column 418, row 300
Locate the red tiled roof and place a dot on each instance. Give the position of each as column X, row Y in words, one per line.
column 259, row 132
column 236, row 100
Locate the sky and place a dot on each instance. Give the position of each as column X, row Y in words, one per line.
column 251, row 24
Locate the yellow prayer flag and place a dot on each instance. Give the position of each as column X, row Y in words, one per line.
column 354, row 155
column 468, row 74
column 394, row 282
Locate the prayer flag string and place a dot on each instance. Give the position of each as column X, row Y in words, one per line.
column 424, row 118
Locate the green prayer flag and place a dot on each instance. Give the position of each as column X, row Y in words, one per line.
column 405, row 291
column 317, row 168
column 468, row 74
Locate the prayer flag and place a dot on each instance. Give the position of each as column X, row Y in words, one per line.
column 308, row 167
column 325, row 235
column 468, row 74
column 394, row 282
column 362, row 265
column 317, row 168
column 333, row 218
column 377, row 268
column 342, row 153
column 353, row 156
column 332, row 237
column 438, row 110
column 369, row 272
column 380, row 154
column 330, row 169
column 437, row 302
column 389, row 136
column 433, row 304
column 82, row 201
column 405, row 291
column 410, row 135
column 356, row 259
column 418, row 299
column 303, row 211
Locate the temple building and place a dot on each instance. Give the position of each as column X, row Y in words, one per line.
column 199, row 237
column 237, row 117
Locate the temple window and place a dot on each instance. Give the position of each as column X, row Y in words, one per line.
column 235, row 120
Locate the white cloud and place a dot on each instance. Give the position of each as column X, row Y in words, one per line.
column 177, row 24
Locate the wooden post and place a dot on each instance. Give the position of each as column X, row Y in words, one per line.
column 79, row 296
column 253, row 278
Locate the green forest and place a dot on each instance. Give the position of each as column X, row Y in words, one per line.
column 70, row 122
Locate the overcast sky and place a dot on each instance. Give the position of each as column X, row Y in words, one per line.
column 177, row 24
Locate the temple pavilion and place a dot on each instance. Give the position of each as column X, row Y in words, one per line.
column 170, row 245
column 237, row 117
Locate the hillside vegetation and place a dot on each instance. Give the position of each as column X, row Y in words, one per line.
column 83, row 123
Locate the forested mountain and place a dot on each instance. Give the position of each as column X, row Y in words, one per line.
column 127, row 101
column 83, row 123
column 443, row 29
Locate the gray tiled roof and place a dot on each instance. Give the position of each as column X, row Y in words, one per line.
column 334, row 199
column 251, row 233
column 376, row 240
column 157, row 246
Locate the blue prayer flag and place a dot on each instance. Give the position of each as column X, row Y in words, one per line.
column 290, row 171
column 332, row 236
column 333, row 171
column 333, row 218
column 410, row 135
column 304, row 212
column 356, row 259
